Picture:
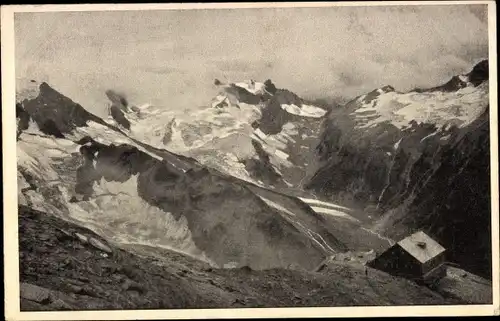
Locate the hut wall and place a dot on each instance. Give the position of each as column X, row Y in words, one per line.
column 433, row 263
column 396, row 261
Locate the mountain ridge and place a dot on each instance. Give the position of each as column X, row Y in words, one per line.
column 106, row 155
column 384, row 148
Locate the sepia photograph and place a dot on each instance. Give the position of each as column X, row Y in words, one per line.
column 197, row 160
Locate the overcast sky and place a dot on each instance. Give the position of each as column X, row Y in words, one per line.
column 170, row 58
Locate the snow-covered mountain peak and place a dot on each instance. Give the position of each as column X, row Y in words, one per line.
column 416, row 158
column 26, row 89
column 459, row 101
column 251, row 130
column 227, row 132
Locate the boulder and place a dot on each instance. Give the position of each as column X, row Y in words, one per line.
column 59, row 304
column 82, row 238
column 35, row 293
column 99, row 245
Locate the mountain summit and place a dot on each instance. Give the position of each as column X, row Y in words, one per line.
column 250, row 130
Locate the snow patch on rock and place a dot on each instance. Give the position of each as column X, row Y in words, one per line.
column 276, row 206
column 304, row 110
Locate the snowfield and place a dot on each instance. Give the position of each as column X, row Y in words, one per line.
column 220, row 134
column 315, row 202
column 329, row 211
column 459, row 107
column 304, row 110
column 107, row 136
column 115, row 211
column 252, row 86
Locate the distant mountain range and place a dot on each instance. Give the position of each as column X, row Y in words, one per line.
column 263, row 179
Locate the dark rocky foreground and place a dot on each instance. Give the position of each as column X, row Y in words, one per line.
column 66, row 267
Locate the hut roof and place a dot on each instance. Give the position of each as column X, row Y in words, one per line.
column 421, row 246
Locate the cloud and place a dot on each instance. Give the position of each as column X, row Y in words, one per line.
column 228, row 64
column 162, row 70
column 480, row 11
column 171, row 57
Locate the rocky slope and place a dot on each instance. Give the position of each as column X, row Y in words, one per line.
column 66, row 267
column 420, row 158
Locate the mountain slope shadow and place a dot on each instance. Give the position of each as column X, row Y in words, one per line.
column 227, row 221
